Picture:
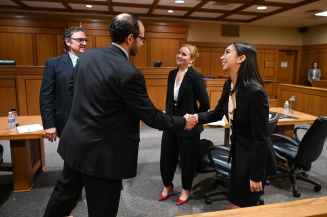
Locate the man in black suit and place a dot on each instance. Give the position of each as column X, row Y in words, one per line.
column 100, row 141
column 55, row 101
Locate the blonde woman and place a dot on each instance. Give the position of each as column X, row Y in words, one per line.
column 186, row 90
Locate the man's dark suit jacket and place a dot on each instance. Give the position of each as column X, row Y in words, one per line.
column 191, row 91
column 55, row 101
column 250, row 138
column 102, row 135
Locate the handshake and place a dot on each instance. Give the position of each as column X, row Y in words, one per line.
column 191, row 121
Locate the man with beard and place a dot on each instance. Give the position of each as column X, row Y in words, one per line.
column 99, row 144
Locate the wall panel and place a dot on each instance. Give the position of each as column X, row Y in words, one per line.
column 44, row 47
column 7, row 95
column 32, row 96
column 17, row 46
column 164, row 50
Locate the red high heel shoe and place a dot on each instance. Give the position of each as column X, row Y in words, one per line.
column 170, row 192
column 180, row 202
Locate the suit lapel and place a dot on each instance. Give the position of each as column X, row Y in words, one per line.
column 67, row 62
column 239, row 98
column 171, row 83
column 185, row 82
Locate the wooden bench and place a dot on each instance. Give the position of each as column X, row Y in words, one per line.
column 316, row 207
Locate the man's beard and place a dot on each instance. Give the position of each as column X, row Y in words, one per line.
column 134, row 49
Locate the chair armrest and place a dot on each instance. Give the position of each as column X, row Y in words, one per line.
column 296, row 137
column 222, row 147
column 285, row 138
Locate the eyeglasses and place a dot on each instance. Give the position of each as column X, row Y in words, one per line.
column 81, row 40
column 141, row 38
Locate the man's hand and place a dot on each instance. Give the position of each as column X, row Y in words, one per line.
column 51, row 134
column 196, row 116
column 190, row 122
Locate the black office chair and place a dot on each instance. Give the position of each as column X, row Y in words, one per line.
column 218, row 156
column 203, row 162
column 295, row 156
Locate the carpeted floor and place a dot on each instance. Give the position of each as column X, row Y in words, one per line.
column 139, row 197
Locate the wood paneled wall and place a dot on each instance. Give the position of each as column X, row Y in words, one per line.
column 31, row 41
column 20, row 88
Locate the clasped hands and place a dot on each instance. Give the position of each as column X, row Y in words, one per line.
column 191, row 121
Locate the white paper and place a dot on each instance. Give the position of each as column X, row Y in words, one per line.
column 217, row 123
column 29, row 128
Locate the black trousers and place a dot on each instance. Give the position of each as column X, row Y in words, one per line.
column 102, row 194
column 173, row 147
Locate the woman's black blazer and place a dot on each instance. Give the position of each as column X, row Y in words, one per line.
column 192, row 98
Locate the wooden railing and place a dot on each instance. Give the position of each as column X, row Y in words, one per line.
column 311, row 100
column 319, row 83
column 314, row 207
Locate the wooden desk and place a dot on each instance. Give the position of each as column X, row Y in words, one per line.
column 284, row 126
column 300, row 208
column 27, row 152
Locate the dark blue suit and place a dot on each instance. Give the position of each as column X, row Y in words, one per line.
column 55, row 101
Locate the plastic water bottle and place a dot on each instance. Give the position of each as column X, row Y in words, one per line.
column 286, row 108
column 11, row 121
column 14, row 112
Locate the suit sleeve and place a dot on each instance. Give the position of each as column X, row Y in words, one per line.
column 47, row 96
column 200, row 93
column 259, row 118
column 136, row 98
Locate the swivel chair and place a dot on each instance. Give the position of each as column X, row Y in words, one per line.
column 218, row 156
column 295, row 156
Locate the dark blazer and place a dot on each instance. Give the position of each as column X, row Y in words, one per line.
column 192, row 90
column 55, row 101
column 102, row 135
column 250, row 137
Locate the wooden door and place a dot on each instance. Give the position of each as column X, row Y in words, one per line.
column 286, row 66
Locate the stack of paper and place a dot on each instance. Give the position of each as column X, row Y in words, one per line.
column 29, row 128
column 217, row 123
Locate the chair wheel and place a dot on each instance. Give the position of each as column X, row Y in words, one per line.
column 267, row 182
column 296, row 194
column 317, row 188
column 207, row 200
